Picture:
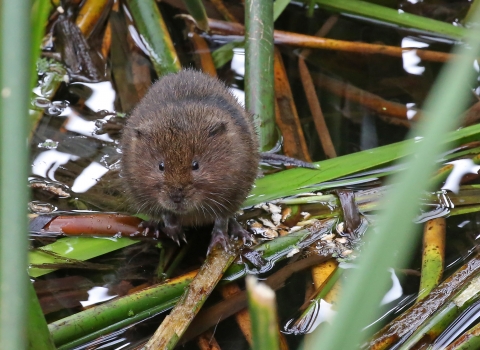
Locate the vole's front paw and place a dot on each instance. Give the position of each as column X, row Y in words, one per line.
column 221, row 230
column 175, row 233
column 155, row 228
column 219, row 237
column 172, row 228
column 236, row 230
column 150, row 227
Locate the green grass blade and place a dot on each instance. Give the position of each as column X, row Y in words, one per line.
column 196, row 9
column 38, row 334
column 124, row 322
column 456, row 289
column 152, row 28
column 293, row 181
column 392, row 16
column 365, row 286
column 445, row 315
column 468, row 340
column 15, row 91
column 75, row 248
column 278, row 7
column 40, row 11
column 433, row 256
column 224, row 54
column 116, row 311
column 475, row 4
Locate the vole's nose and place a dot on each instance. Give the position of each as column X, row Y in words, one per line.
column 177, row 195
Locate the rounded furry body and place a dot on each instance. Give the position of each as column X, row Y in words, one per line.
column 190, row 151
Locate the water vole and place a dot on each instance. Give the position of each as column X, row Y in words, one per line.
column 190, row 155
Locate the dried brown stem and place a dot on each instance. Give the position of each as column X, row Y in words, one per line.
column 224, row 11
column 175, row 324
column 316, row 110
column 322, row 32
column 90, row 14
column 106, row 41
column 202, row 51
column 242, row 317
column 287, row 119
column 312, row 42
column 206, row 341
column 365, row 98
column 103, row 224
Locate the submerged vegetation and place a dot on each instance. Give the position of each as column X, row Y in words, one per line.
column 379, row 243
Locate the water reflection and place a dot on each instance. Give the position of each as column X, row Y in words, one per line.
column 322, row 311
column 48, row 144
column 79, row 125
column 102, row 96
column 435, row 210
column 89, row 177
column 458, row 327
column 395, row 292
column 461, row 168
column 97, row 295
column 59, row 150
column 47, row 163
column 410, row 58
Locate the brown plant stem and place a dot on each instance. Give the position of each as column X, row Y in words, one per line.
column 242, row 317
column 89, row 15
column 286, row 115
column 322, row 32
column 202, row 52
column 312, row 42
column 218, row 4
column 316, row 110
column 175, row 324
column 206, row 341
column 365, row 98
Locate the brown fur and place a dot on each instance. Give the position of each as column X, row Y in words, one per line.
column 187, row 117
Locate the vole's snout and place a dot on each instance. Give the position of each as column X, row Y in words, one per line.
column 177, row 195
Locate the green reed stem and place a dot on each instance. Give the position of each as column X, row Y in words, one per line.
column 259, row 83
column 14, row 91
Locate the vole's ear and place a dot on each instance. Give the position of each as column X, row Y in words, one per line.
column 217, row 129
column 139, row 131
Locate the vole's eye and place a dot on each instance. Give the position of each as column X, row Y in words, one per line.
column 194, row 165
column 161, row 166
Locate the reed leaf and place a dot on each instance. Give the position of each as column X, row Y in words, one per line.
column 295, row 181
column 40, row 11
column 150, row 24
column 15, row 80
column 39, row 337
column 392, row 17
column 67, row 249
column 196, row 9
